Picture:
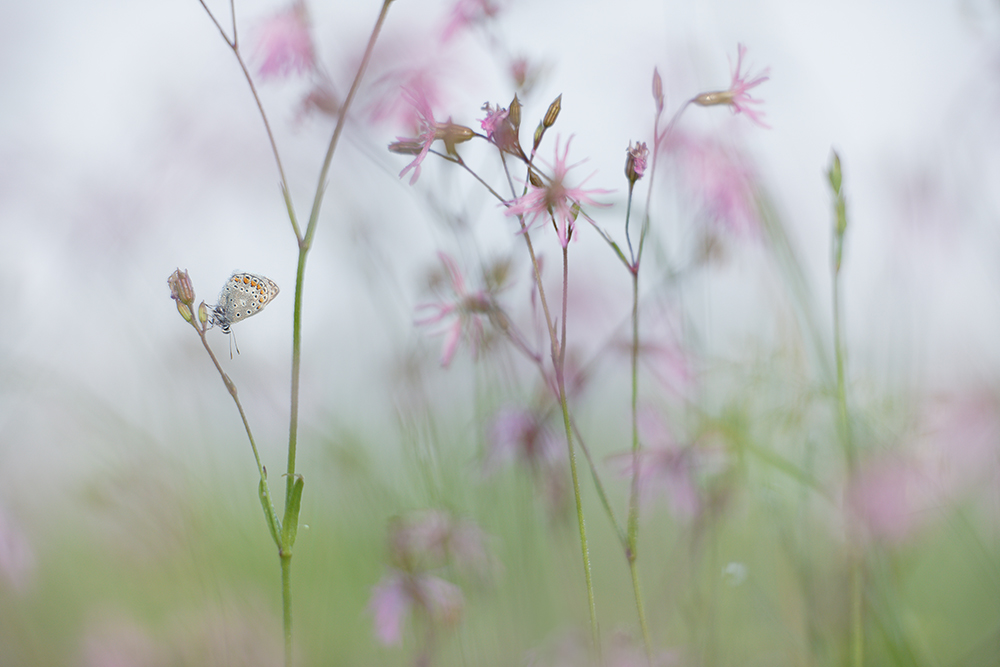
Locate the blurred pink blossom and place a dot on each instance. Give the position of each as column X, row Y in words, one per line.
column 428, row 128
column 17, row 559
column 740, row 86
column 399, row 593
column 663, row 466
column 517, row 434
column 896, row 494
column 433, row 538
column 284, row 44
column 466, row 311
column 555, row 199
column 121, row 642
column 720, row 179
column 466, row 12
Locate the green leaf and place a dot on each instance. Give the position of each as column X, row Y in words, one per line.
column 269, row 514
column 291, row 520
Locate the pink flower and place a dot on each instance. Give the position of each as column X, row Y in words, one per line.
column 635, row 163
column 398, row 593
column 664, row 466
column 432, row 539
column 428, row 131
column 896, row 494
column 285, row 44
column 517, row 434
column 555, row 200
column 720, row 179
column 496, row 119
column 466, row 12
column 467, row 311
column 738, row 96
column 17, row 559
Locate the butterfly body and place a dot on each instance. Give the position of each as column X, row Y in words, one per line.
column 244, row 295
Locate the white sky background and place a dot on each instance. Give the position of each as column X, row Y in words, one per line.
column 129, row 146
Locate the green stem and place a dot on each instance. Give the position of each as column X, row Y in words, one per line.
column 558, row 358
column 286, row 604
column 856, row 575
column 239, row 406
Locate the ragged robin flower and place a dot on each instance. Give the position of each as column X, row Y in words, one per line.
column 738, row 95
column 430, row 130
column 555, row 199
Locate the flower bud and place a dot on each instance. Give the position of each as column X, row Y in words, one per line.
column 406, row 147
column 452, row 134
column 535, row 179
column 657, row 90
column 552, row 113
column 635, row 161
column 180, row 287
column 202, row 312
column 714, row 99
column 514, row 113
column 834, row 174
column 185, row 311
column 539, row 131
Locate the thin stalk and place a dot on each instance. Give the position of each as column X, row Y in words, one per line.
column 305, row 243
column 856, row 576
column 559, row 361
column 286, row 604
column 235, row 48
column 231, row 387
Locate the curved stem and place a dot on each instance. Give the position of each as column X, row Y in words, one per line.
column 234, row 47
column 231, row 387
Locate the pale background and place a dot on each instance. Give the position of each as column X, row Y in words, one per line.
column 129, row 146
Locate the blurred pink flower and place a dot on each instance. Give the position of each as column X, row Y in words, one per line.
column 738, row 96
column 740, row 86
column 466, row 12
column 663, row 466
column 433, row 538
column 399, row 593
column 284, row 43
column 467, row 310
column 517, row 434
column 555, row 200
column 897, row 494
column 121, row 642
column 428, row 131
column 17, row 559
column 720, row 179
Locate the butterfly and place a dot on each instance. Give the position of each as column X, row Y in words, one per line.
column 244, row 295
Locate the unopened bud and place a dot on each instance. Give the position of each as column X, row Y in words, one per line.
column 539, row 132
column 452, row 134
column 180, row 287
column 202, row 312
column 535, row 179
column 553, row 112
column 406, row 147
column 635, row 161
column 657, row 90
column 834, row 174
column 714, row 99
column 185, row 311
column 514, row 113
